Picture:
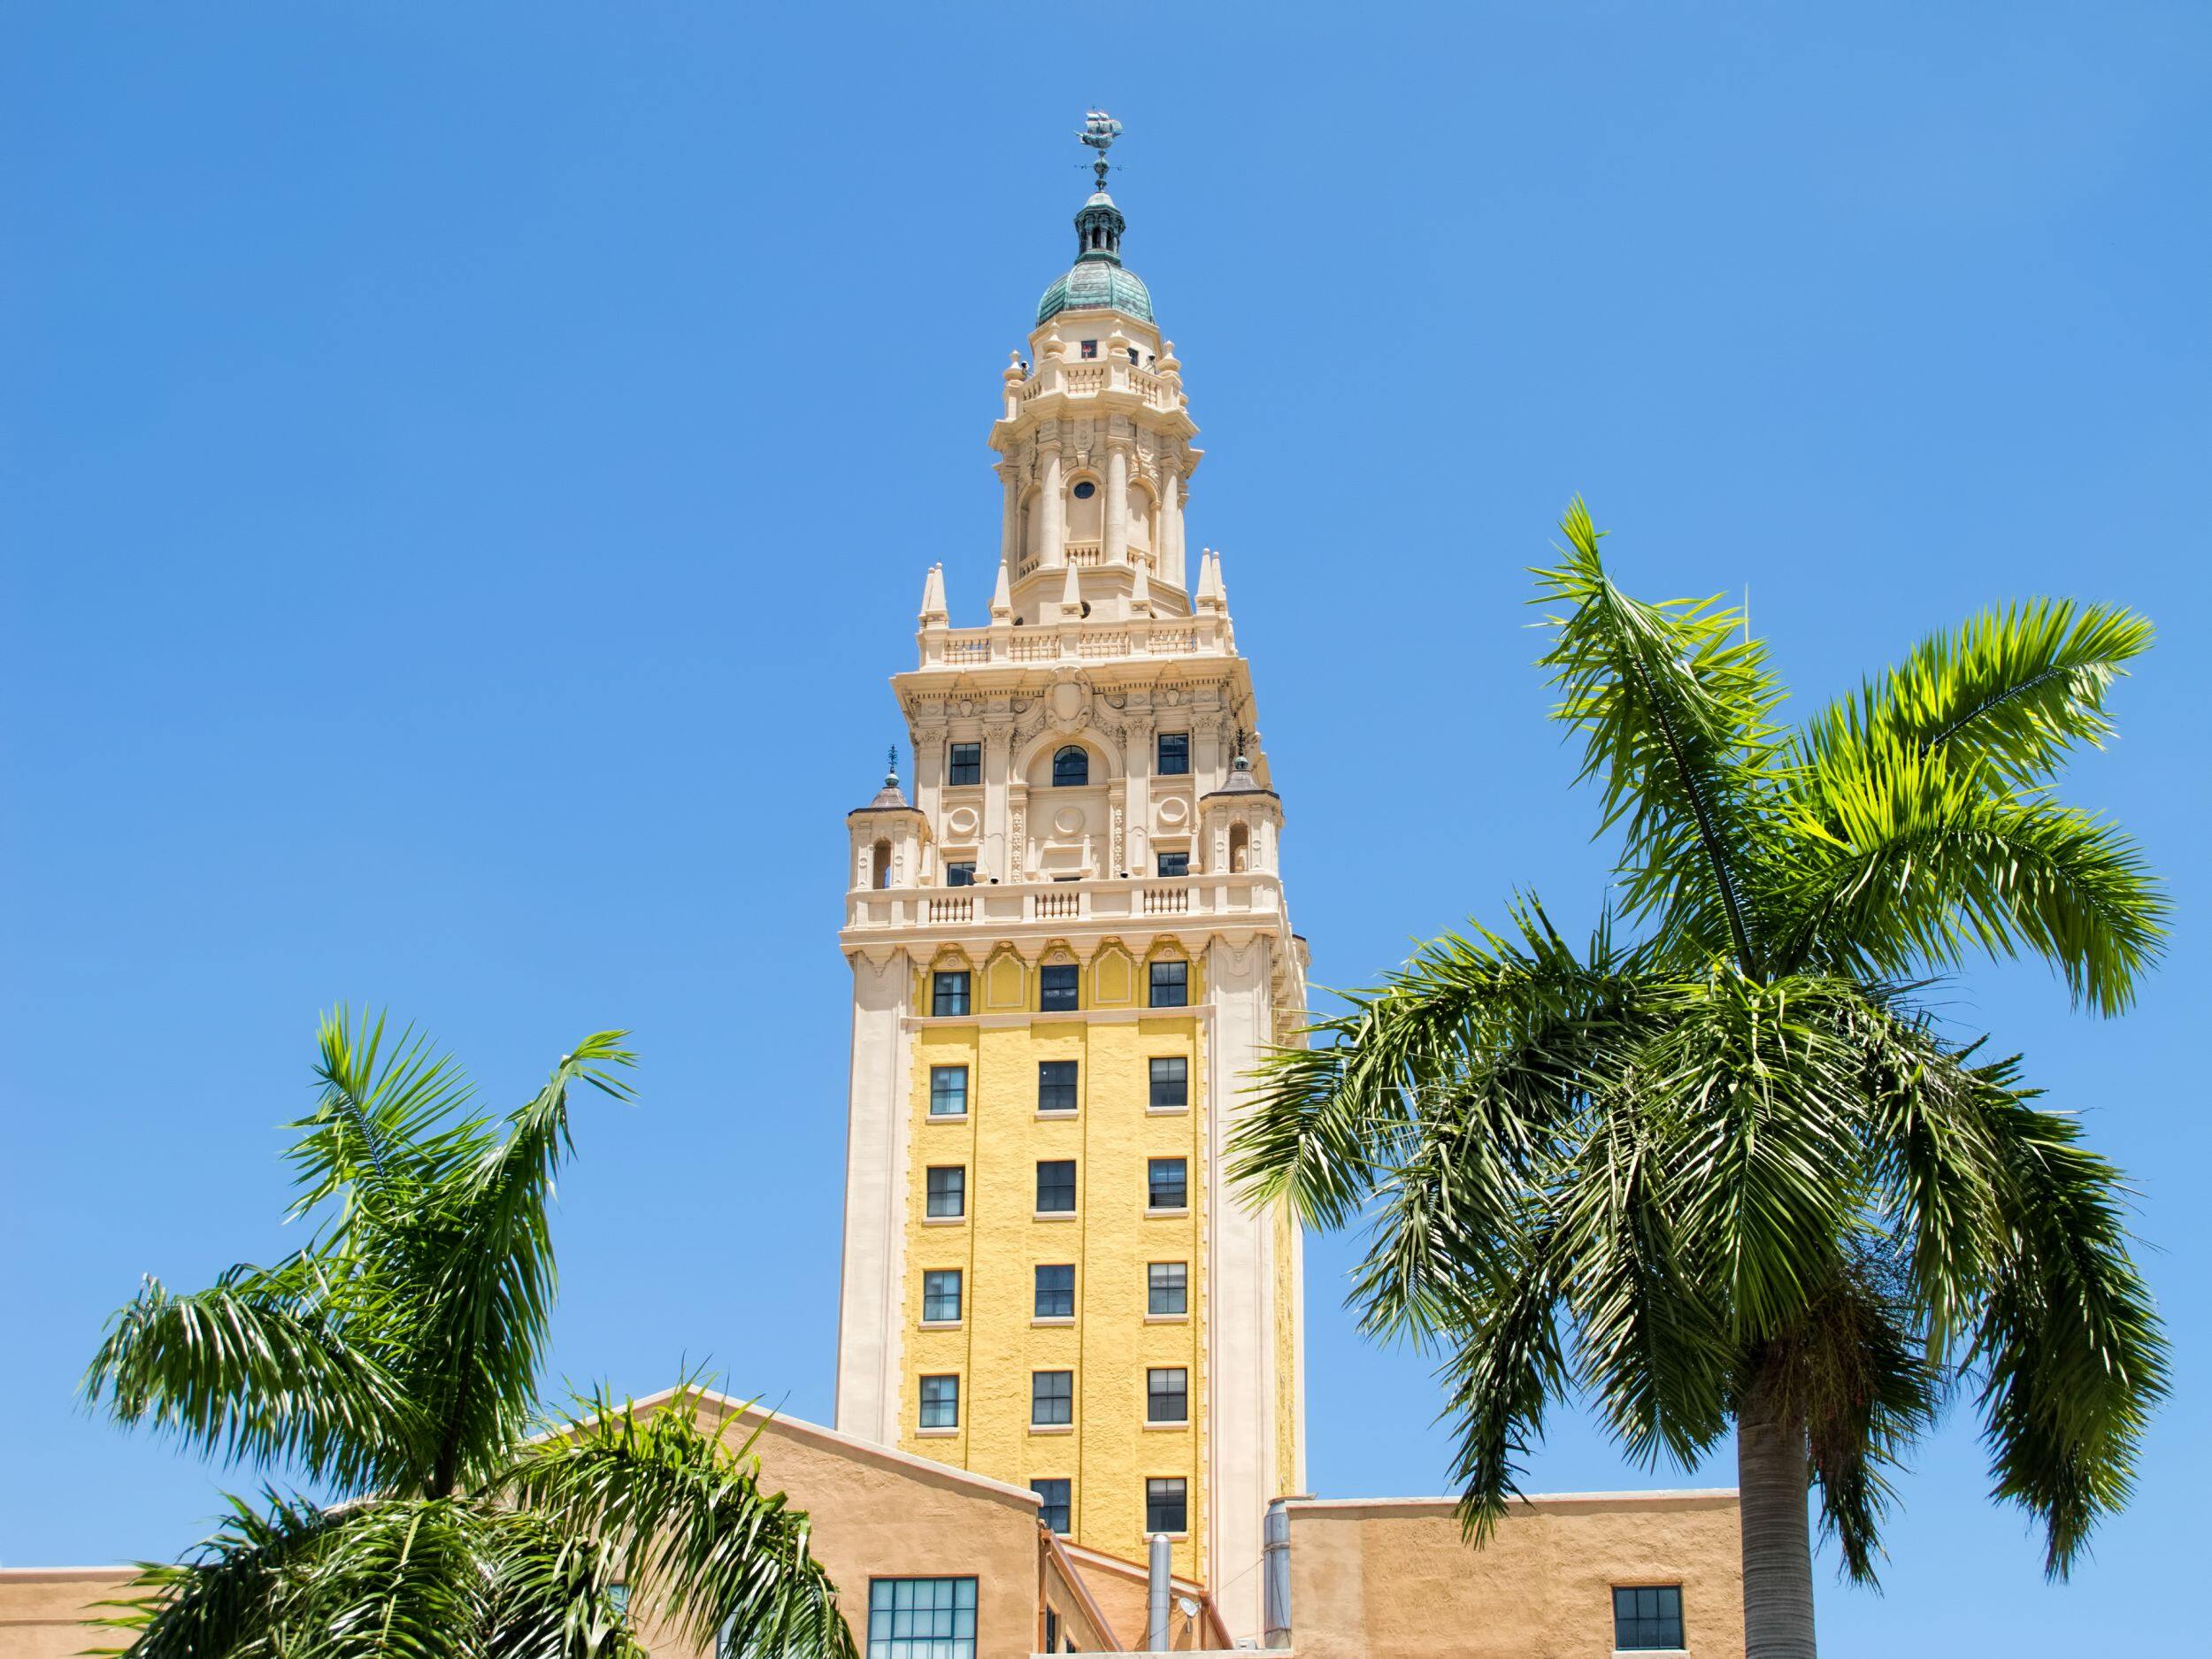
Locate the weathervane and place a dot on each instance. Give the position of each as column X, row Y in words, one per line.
column 1099, row 132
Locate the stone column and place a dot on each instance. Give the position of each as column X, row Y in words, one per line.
column 869, row 1320
column 1010, row 518
column 1170, row 548
column 1116, row 550
column 1053, row 544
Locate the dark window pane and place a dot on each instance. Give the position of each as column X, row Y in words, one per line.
column 960, row 873
column 1167, row 1288
column 948, row 992
column 1090, row 348
column 964, row 763
column 1175, row 863
column 1056, row 1291
column 941, row 1403
column 1085, row 490
column 1167, row 1186
column 1174, row 760
column 1166, row 1505
column 940, row 1294
column 1055, row 1086
column 1647, row 1617
column 1051, row 1397
column 1167, row 1394
column 948, row 1189
column 1053, row 1505
column 1170, row 984
column 948, row 1091
column 921, row 1618
column 1171, row 1080
column 1056, row 1186
column 1056, row 985
column 1071, row 766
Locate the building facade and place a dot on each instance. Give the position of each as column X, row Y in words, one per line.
column 1068, row 949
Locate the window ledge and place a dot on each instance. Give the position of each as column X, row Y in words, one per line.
column 1167, row 1111
column 947, row 1117
column 1052, row 1428
column 1054, row 1215
column 936, row 1434
column 1167, row 1318
column 940, row 1324
column 943, row 1221
column 1044, row 1116
column 1053, row 1318
column 1160, row 1427
column 1166, row 1215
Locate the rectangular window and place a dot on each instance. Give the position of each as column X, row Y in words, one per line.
column 940, row 1294
column 921, row 1618
column 941, row 1403
column 948, row 1189
column 1052, row 1506
column 1090, row 348
column 1171, row 1080
column 1166, row 1505
column 1647, row 1616
column 1167, row 1185
column 1175, row 863
column 1056, row 987
column 1170, row 985
column 948, row 1091
column 1051, row 1398
column 1174, row 760
column 960, row 872
column 1055, row 1086
column 1167, row 1394
column 1056, row 1186
column 1056, row 1291
column 1167, row 1288
column 964, row 762
column 948, row 994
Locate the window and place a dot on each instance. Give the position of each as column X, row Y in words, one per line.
column 1168, row 1185
column 1051, row 1398
column 1167, row 1394
column 1085, row 490
column 1170, row 984
column 1056, row 1291
column 1052, row 1620
column 1171, row 1081
column 1090, row 348
column 948, row 992
column 1071, row 767
column 1175, row 863
column 948, row 1189
column 960, row 872
column 964, row 762
column 1055, row 1086
column 940, row 1296
column 1057, row 987
column 1166, row 1505
column 1132, row 354
column 948, row 1091
column 1052, row 1505
column 921, row 1618
column 1167, row 1288
column 1056, row 1186
column 941, row 1403
column 1647, row 1616
column 1174, row 755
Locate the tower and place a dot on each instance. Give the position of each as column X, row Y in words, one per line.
column 1068, row 949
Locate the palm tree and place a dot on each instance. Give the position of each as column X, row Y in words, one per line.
column 1728, row 1173
column 393, row 1363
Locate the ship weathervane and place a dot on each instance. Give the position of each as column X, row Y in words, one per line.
column 1099, row 132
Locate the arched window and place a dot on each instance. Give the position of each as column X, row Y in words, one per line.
column 880, row 857
column 1071, row 766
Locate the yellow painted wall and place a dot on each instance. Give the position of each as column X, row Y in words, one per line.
column 1109, row 1451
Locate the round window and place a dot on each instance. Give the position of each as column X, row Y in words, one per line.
column 1086, row 490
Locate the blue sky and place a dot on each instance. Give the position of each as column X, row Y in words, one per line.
column 468, row 471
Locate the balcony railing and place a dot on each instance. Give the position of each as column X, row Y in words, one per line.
column 1053, row 641
column 1250, row 895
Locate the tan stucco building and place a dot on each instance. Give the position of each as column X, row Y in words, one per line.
column 1068, row 1350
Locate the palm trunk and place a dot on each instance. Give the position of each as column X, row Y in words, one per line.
column 1778, row 1541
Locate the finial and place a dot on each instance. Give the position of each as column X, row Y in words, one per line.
column 1099, row 132
column 891, row 769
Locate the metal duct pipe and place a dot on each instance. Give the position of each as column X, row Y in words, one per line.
column 1157, row 1595
column 1275, row 1573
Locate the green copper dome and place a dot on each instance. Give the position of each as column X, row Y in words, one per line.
column 1098, row 282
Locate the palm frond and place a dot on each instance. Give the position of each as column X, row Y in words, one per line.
column 378, row 1114
column 227, row 1596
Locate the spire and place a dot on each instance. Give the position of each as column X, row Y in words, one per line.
column 890, row 795
column 1099, row 225
column 1001, row 602
column 1208, row 597
column 1140, row 592
column 933, row 611
column 1070, row 597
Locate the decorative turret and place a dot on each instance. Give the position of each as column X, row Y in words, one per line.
column 889, row 839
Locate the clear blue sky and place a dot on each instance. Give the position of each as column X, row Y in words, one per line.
column 469, row 469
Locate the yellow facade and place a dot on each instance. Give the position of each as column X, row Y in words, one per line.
column 1108, row 1450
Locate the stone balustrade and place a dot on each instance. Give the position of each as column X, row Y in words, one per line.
column 1100, row 906
column 1082, row 379
column 1087, row 640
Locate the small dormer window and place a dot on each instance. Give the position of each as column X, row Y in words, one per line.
column 1071, row 767
column 1085, row 490
column 1090, row 348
